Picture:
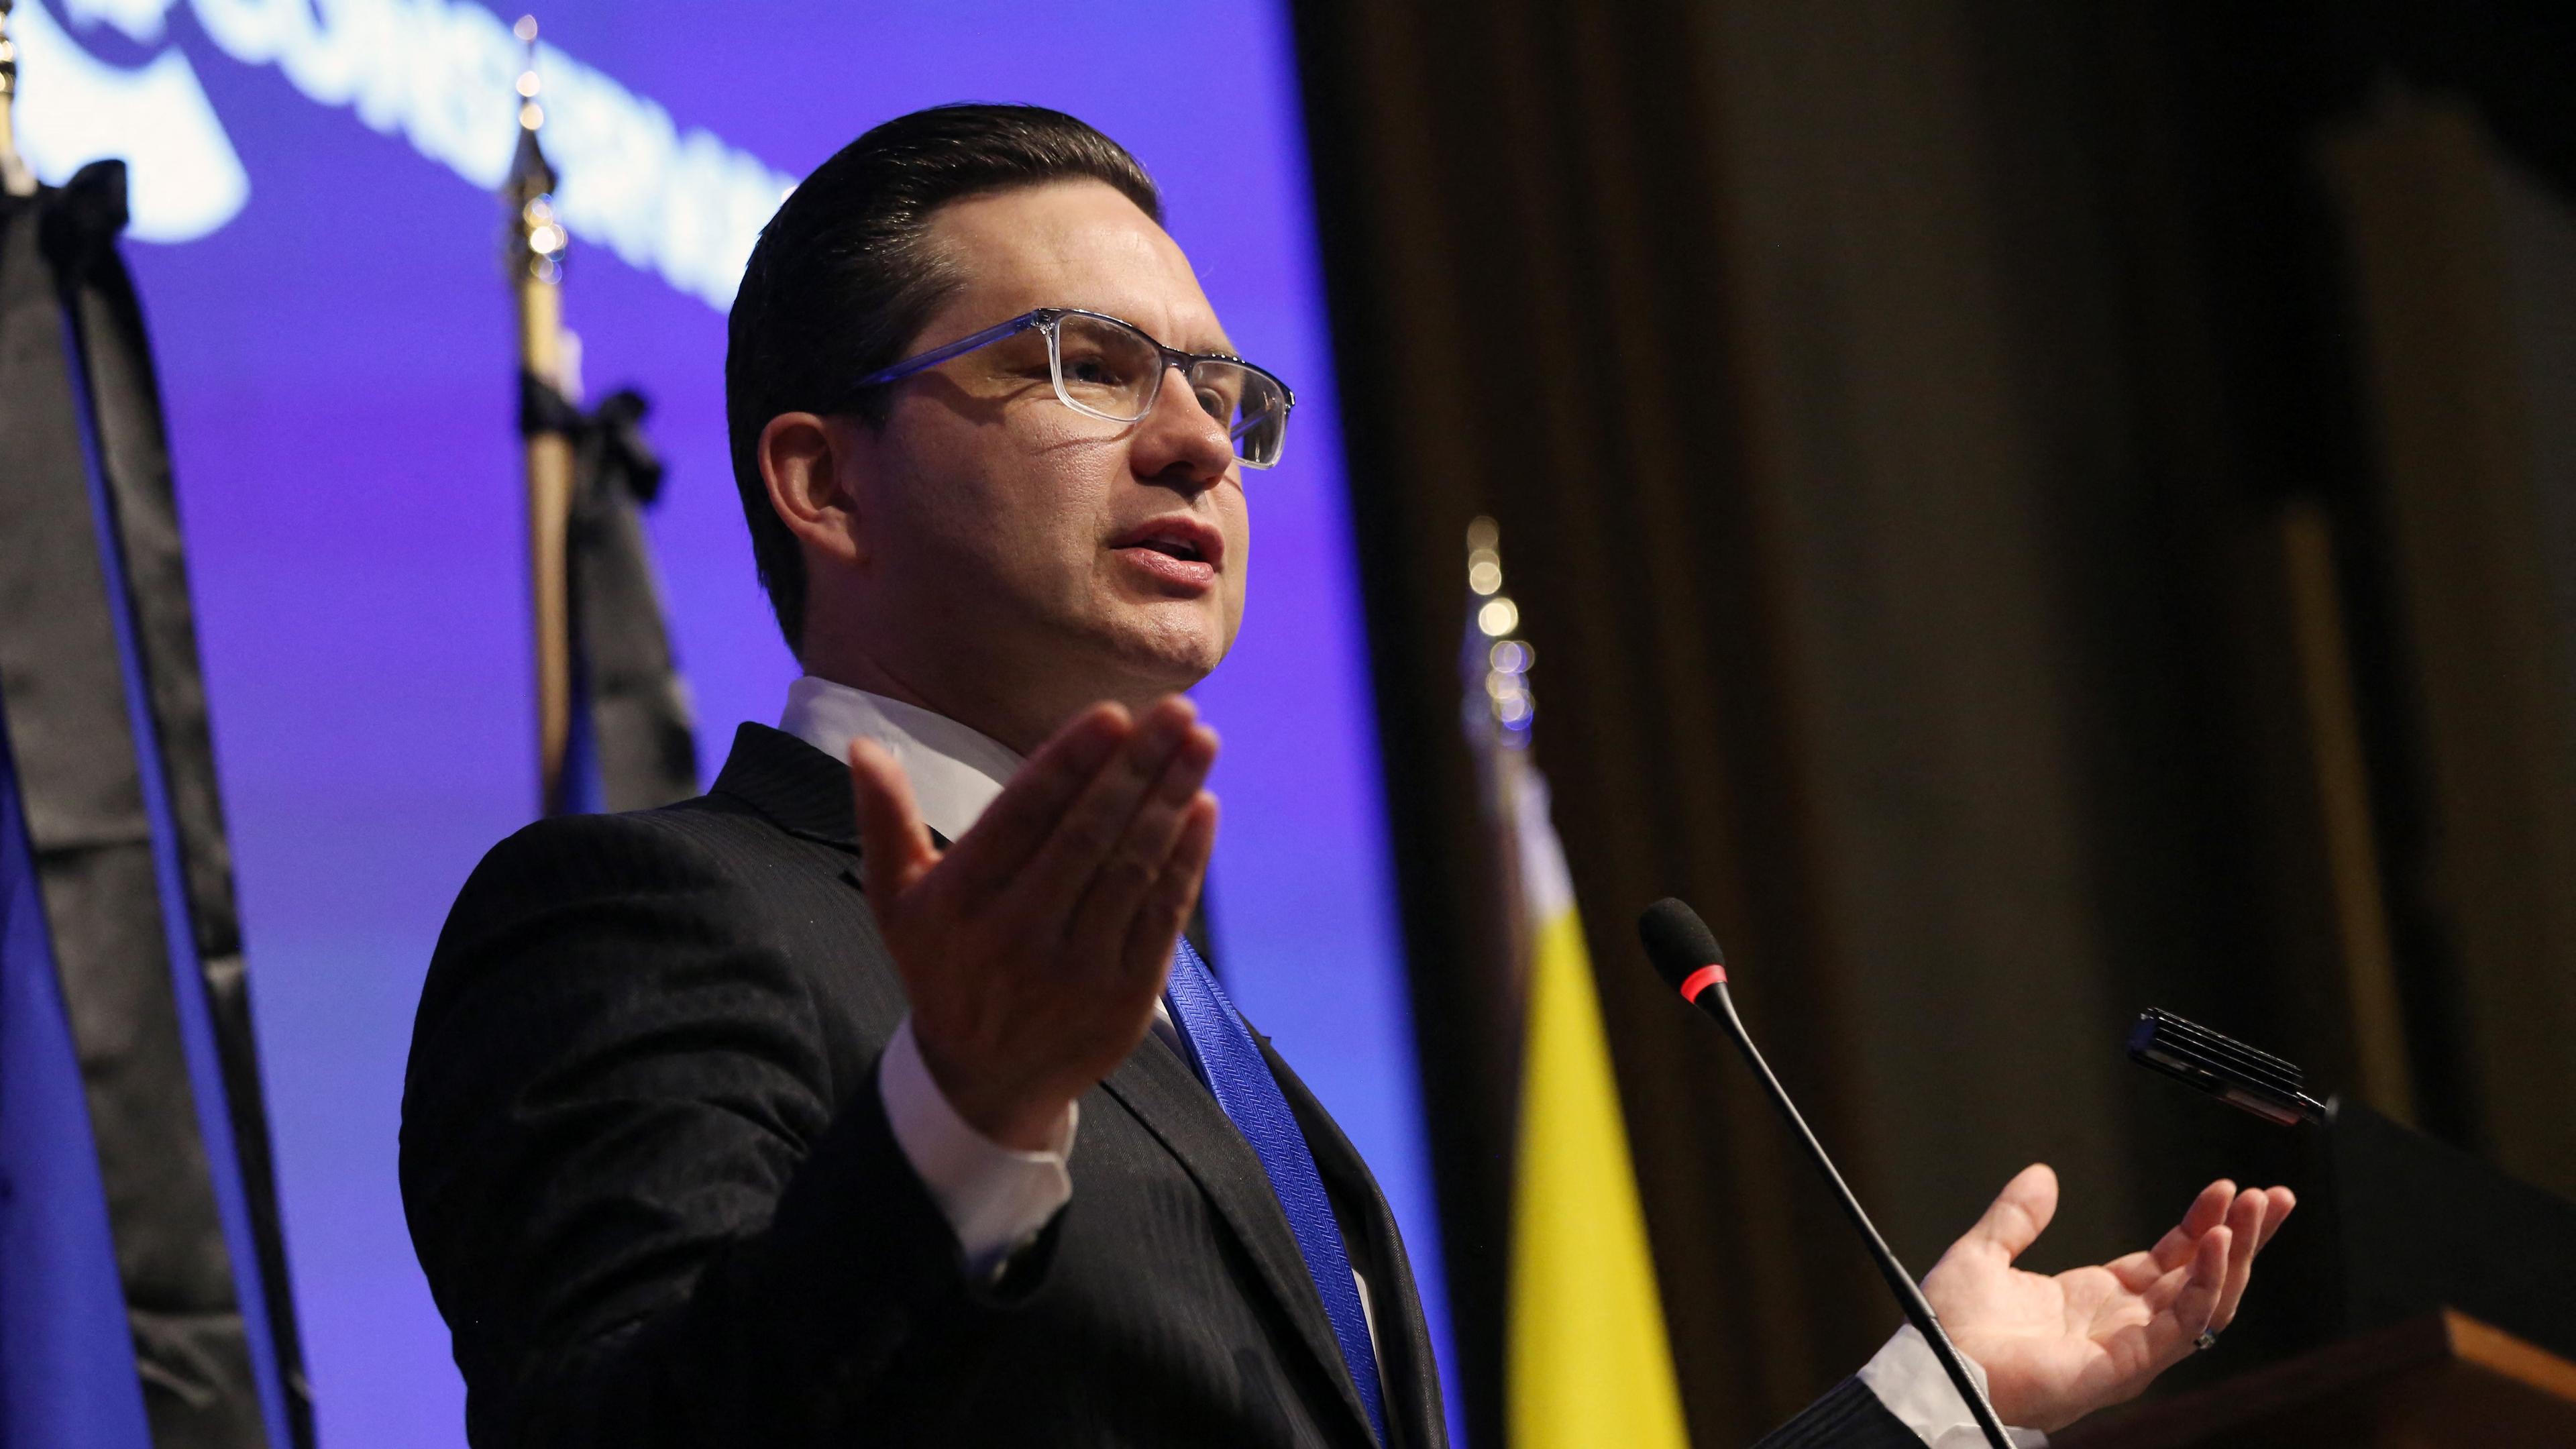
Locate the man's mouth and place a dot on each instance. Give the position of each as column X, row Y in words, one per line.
column 1179, row 554
column 1176, row 536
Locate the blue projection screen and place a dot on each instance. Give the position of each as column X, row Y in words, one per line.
column 317, row 243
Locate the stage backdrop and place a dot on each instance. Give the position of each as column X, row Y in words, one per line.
column 319, row 259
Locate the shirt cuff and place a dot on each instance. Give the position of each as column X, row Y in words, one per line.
column 1910, row 1382
column 996, row 1199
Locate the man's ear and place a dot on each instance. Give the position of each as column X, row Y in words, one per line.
column 808, row 463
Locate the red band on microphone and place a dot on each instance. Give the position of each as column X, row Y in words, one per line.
column 1701, row 980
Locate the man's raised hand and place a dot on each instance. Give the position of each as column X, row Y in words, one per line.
column 2055, row 1348
column 1034, row 947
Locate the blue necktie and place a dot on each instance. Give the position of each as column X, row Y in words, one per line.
column 1230, row 1062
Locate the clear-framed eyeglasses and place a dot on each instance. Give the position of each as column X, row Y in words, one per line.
column 1110, row 369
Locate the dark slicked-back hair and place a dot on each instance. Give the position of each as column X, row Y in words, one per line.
column 844, row 279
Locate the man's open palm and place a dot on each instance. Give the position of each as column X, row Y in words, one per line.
column 1032, row 950
column 2056, row 1348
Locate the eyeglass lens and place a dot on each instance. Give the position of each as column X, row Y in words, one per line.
column 1113, row 371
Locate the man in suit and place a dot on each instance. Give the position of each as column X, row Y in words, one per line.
column 875, row 1097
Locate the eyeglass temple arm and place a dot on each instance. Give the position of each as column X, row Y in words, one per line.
column 923, row 362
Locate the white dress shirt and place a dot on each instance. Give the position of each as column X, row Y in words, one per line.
column 997, row 1199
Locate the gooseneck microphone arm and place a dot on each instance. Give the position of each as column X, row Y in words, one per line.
column 1685, row 953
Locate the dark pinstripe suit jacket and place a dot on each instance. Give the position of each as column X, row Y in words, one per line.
column 649, row 1178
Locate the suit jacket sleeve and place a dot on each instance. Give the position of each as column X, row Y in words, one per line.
column 1849, row 1416
column 650, row 1211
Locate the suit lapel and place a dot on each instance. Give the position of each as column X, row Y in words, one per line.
column 802, row 790
column 1164, row 1094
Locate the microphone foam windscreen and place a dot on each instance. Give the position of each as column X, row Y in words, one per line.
column 1677, row 941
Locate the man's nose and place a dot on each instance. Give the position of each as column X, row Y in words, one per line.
column 1178, row 442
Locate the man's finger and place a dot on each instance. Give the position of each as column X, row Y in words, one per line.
column 2195, row 1305
column 1121, row 885
column 2019, row 1214
column 2245, row 1219
column 1020, row 819
column 894, row 846
column 2282, row 1201
column 1053, row 881
column 2206, row 1212
column 2253, row 1220
column 1156, row 929
column 2182, row 1302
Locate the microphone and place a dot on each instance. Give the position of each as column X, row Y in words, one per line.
column 1685, row 954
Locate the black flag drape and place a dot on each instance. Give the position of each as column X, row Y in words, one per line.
column 103, row 712
column 632, row 739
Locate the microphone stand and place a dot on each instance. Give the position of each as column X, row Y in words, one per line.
column 1918, row 1311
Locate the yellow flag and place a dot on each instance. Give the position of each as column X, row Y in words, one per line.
column 1588, row 1362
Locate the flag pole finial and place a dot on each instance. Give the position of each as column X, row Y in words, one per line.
column 1499, row 704
column 536, row 236
column 15, row 178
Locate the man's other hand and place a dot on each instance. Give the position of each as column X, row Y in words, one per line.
column 2056, row 1348
column 1034, row 947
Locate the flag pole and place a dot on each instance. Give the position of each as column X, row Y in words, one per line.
column 1587, row 1356
column 535, row 247
column 15, row 178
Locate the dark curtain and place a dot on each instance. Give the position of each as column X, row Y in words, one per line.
column 1931, row 458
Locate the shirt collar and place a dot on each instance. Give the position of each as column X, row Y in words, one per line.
column 955, row 771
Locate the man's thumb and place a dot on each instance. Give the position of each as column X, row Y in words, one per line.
column 894, row 846
column 2020, row 1213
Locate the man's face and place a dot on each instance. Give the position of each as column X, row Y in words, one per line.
column 1063, row 557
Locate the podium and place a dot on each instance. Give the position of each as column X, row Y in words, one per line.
column 2420, row 1300
column 2430, row 1382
